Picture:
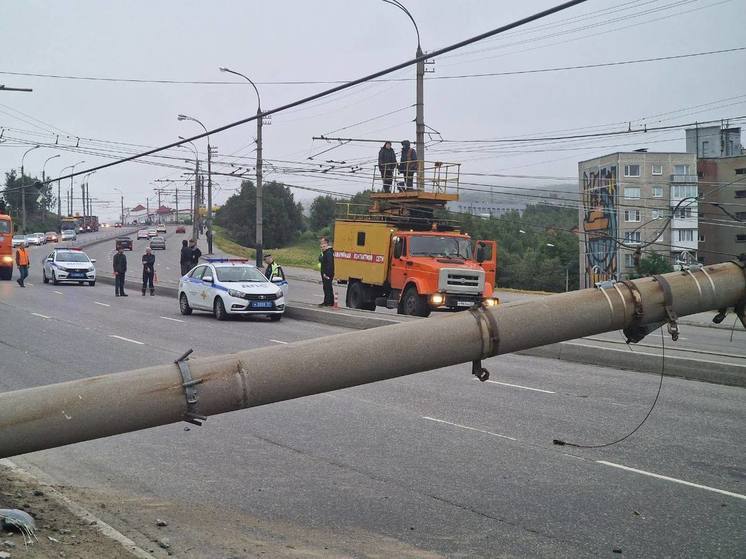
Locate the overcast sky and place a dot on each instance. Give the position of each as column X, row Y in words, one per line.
column 301, row 40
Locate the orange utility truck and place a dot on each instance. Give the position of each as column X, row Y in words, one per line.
column 6, row 247
column 400, row 256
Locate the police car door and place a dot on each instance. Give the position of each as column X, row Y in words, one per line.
column 195, row 287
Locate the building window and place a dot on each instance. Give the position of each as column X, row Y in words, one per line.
column 631, row 170
column 681, row 169
column 740, row 193
column 685, row 235
column 629, row 260
column 701, row 238
column 632, row 192
column 683, row 213
column 657, row 170
column 741, row 171
column 741, row 238
column 686, row 191
column 632, row 237
column 657, row 192
column 632, row 216
column 705, row 147
column 655, row 214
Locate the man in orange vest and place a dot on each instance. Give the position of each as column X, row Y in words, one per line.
column 22, row 261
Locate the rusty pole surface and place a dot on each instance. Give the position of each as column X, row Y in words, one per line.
column 59, row 414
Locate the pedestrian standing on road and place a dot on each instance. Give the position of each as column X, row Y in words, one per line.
column 120, row 269
column 148, row 270
column 23, row 263
column 387, row 165
column 196, row 252
column 186, row 257
column 326, row 262
column 408, row 164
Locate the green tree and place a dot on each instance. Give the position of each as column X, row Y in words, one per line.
column 323, row 210
column 654, row 264
column 39, row 201
column 282, row 216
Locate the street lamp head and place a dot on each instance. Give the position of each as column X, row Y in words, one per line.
column 223, row 69
column 182, row 117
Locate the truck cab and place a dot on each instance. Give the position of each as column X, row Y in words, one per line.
column 6, row 247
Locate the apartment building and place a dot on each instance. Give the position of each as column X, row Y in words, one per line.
column 714, row 141
column 628, row 199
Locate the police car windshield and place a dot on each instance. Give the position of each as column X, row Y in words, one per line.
column 239, row 274
column 71, row 257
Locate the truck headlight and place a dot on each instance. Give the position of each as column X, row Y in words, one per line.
column 7, row 259
column 437, row 299
column 491, row 302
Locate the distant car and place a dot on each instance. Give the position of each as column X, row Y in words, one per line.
column 124, row 242
column 52, row 237
column 230, row 287
column 142, row 234
column 117, row 225
column 181, row 229
column 158, row 243
column 152, row 232
column 69, row 265
column 36, row 239
column 68, row 235
column 19, row 240
column 161, row 228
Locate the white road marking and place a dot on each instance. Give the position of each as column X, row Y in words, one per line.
column 519, row 386
column 102, row 304
column 57, row 292
column 30, row 284
column 125, row 339
column 673, row 479
column 174, row 319
column 41, row 315
column 279, row 342
column 469, row 428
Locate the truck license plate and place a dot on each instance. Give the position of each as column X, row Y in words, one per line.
column 464, row 304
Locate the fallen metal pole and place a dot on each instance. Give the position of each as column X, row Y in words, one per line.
column 70, row 412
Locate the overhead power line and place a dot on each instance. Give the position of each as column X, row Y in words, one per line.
column 333, row 82
column 341, row 87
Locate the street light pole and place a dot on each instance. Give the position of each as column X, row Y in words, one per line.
column 122, row 202
column 209, row 182
column 259, row 203
column 23, row 187
column 59, row 197
column 44, row 183
column 420, row 103
column 194, row 200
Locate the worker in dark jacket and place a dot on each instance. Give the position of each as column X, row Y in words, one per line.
column 186, row 258
column 326, row 263
column 120, row 269
column 196, row 252
column 148, row 270
column 408, row 164
column 387, row 165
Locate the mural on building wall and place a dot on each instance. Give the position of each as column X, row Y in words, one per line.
column 600, row 224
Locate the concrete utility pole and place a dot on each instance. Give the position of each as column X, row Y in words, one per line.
column 55, row 415
column 195, row 211
column 44, row 183
column 259, row 242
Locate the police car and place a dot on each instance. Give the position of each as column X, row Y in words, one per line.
column 227, row 286
column 69, row 265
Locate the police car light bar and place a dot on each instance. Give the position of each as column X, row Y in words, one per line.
column 211, row 260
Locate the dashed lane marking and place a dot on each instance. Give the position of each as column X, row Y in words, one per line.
column 40, row 315
column 672, row 479
column 279, row 342
column 126, row 339
column 102, row 304
column 519, row 386
column 173, row 319
column 57, row 292
column 469, row 428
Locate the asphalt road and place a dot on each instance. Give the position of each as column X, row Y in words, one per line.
column 435, row 464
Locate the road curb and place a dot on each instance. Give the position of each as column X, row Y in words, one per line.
column 694, row 369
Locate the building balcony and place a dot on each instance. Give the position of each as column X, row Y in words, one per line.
column 678, row 246
column 685, row 222
column 684, row 179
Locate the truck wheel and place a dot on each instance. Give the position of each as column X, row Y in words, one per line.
column 6, row 273
column 414, row 304
column 355, row 295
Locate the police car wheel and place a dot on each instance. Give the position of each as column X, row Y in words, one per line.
column 184, row 305
column 44, row 277
column 54, row 279
column 92, row 283
column 219, row 309
column 275, row 317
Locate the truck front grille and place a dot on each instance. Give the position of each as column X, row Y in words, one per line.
column 461, row 281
